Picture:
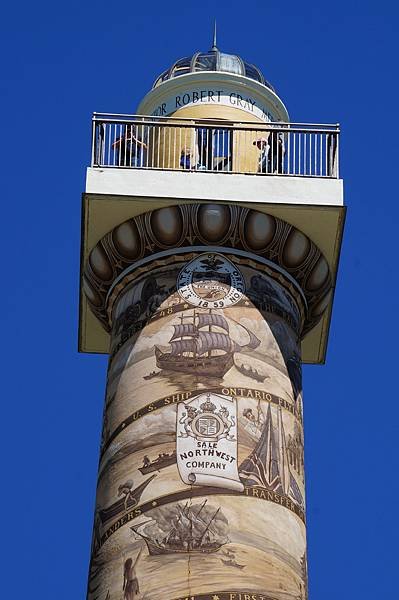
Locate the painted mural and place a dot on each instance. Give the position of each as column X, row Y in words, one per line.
column 201, row 478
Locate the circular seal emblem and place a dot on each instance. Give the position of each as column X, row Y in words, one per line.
column 211, row 281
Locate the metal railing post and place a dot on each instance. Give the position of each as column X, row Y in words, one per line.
column 93, row 141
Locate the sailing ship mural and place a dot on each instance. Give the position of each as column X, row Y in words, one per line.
column 199, row 528
column 201, row 345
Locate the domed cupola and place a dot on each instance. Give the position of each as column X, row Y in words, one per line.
column 213, row 85
column 213, row 60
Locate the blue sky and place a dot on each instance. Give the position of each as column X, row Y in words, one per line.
column 330, row 62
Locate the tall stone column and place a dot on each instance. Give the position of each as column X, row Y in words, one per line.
column 201, row 478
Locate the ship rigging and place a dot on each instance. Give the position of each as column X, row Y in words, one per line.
column 201, row 345
column 194, row 528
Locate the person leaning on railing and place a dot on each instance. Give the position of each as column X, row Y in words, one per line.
column 277, row 144
column 272, row 151
column 129, row 149
column 263, row 146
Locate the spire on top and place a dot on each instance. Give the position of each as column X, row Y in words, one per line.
column 214, row 46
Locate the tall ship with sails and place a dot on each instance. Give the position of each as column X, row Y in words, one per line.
column 201, row 345
column 191, row 528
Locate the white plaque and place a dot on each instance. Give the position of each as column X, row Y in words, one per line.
column 206, row 441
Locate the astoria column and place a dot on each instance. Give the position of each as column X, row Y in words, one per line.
column 211, row 234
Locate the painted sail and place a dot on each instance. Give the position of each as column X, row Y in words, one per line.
column 180, row 346
column 295, row 492
column 285, row 473
column 190, row 338
column 210, row 340
column 186, row 329
column 254, row 342
column 186, row 532
column 262, row 465
column 268, row 466
column 205, row 341
column 212, row 319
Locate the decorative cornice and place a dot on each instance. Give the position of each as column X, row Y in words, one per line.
column 204, row 225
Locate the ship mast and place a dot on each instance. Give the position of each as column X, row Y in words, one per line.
column 201, row 507
column 182, row 322
column 181, row 337
column 190, row 541
column 258, row 422
column 210, row 330
column 174, row 527
column 207, row 527
column 194, row 351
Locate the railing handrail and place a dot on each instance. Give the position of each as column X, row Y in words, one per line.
column 214, row 144
column 225, row 126
column 275, row 125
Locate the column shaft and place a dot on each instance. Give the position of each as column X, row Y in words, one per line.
column 200, row 490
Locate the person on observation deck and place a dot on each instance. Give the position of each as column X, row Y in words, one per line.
column 129, row 149
column 277, row 151
column 272, row 151
column 189, row 160
column 263, row 146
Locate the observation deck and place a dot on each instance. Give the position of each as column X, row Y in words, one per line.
column 140, row 163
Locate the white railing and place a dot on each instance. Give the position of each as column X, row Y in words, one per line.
column 141, row 142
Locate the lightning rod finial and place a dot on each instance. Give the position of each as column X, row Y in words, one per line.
column 214, row 46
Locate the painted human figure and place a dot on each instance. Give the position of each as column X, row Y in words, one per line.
column 255, row 422
column 130, row 587
column 126, row 490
